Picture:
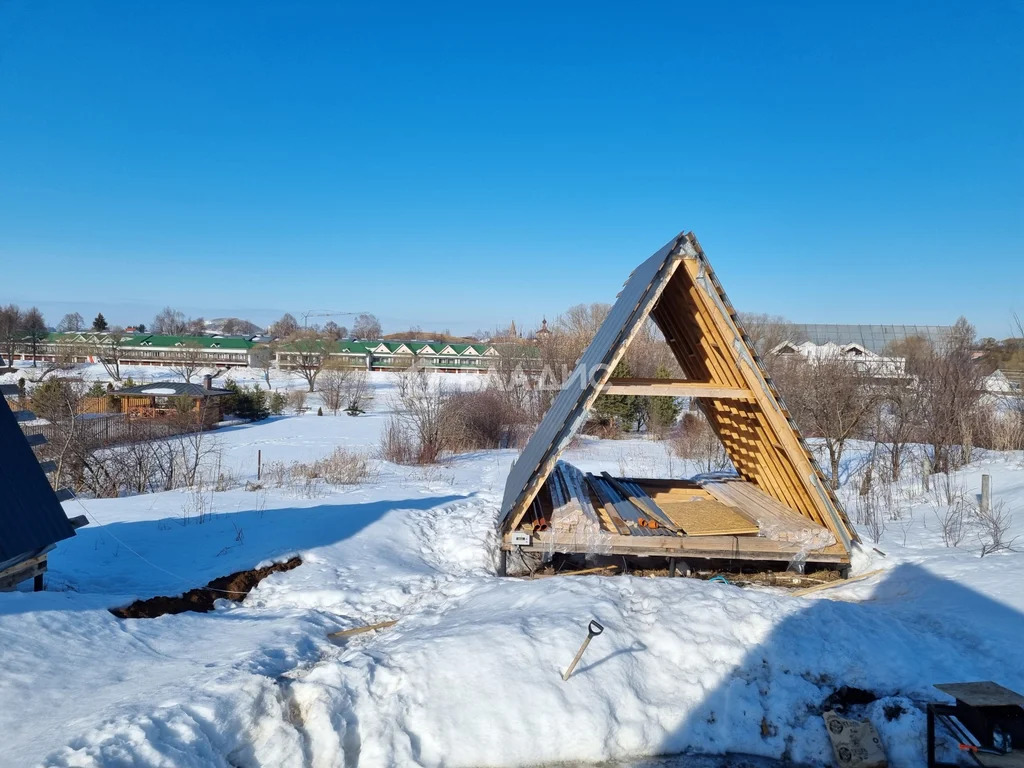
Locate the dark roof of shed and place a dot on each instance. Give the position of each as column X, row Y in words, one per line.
column 160, row 389
column 31, row 518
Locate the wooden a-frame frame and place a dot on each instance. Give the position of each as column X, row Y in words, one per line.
column 678, row 290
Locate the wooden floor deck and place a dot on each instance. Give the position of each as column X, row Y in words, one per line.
column 717, row 519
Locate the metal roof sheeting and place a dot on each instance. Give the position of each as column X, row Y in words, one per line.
column 31, row 518
column 569, row 409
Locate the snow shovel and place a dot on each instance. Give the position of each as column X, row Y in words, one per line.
column 593, row 631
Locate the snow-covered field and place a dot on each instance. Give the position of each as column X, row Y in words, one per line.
column 470, row 675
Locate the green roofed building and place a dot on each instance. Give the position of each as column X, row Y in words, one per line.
column 401, row 355
column 139, row 349
column 214, row 352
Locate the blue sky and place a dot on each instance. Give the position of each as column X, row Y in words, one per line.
column 462, row 165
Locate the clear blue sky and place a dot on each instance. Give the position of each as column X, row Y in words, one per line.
column 464, row 165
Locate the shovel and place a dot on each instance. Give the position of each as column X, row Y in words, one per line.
column 593, row 631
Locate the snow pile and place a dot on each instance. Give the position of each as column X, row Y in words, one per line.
column 471, row 673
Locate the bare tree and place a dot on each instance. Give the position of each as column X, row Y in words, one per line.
column 355, row 392
column 898, row 419
column 331, row 386
column 424, row 415
column 285, row 327
column 11, row 332
column 169, row 321
column 366, row 326
column 765, row 332
column 334, row 331
column 186, row 360
column 306, row 352
column 70, row 323
column 64, row 358
column 950, row 385
column 830, row 399
column 108, row 349
column 995, row 523
column 696, row 441
column 34, row 328
column 262, row 357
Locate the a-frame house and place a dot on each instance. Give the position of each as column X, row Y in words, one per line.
column 777, row 508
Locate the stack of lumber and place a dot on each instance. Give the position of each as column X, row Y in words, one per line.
column 775, row 521
column 572, row 511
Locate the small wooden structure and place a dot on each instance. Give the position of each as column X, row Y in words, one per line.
column 776, row 508
column 31, row 518
column 167, row 398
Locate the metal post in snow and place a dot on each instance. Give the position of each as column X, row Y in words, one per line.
column 986, row 493
column 259, row 465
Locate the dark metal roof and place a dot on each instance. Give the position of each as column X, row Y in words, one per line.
column 173, row 389
column 31, row 518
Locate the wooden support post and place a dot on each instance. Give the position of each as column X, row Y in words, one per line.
column 37, row 583
column 671, row 567
column 930, row 736
column 503, row 562
column 986, row 493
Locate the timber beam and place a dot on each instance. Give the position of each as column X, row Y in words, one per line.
column 674, row 388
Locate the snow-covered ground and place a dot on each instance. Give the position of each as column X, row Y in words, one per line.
column 470, row 674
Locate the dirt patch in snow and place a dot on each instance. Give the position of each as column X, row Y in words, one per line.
column 233, row 587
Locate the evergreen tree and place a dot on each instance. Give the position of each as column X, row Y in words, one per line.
column 625, row 411
column 664, row 410
column 100, row 323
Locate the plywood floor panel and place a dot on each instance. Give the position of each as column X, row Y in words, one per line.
column 707, row 518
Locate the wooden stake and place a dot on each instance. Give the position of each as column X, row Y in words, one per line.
column 839, row 583
column 601, row 569
column 360, row 630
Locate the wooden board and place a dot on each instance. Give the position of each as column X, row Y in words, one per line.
column 644, row 503
column 26, row 569
column 712, row 547
column 774, row 519
column 708, row 518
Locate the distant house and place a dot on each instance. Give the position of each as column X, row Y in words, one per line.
column 863, row 359
column 31, row 518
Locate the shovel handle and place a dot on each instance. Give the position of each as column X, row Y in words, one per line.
column 595, row 628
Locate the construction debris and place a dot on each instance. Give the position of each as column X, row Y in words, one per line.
column 855, row 742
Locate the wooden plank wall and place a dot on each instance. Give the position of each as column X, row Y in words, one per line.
column 756, row 435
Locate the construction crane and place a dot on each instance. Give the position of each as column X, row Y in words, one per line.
column 325, row 313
